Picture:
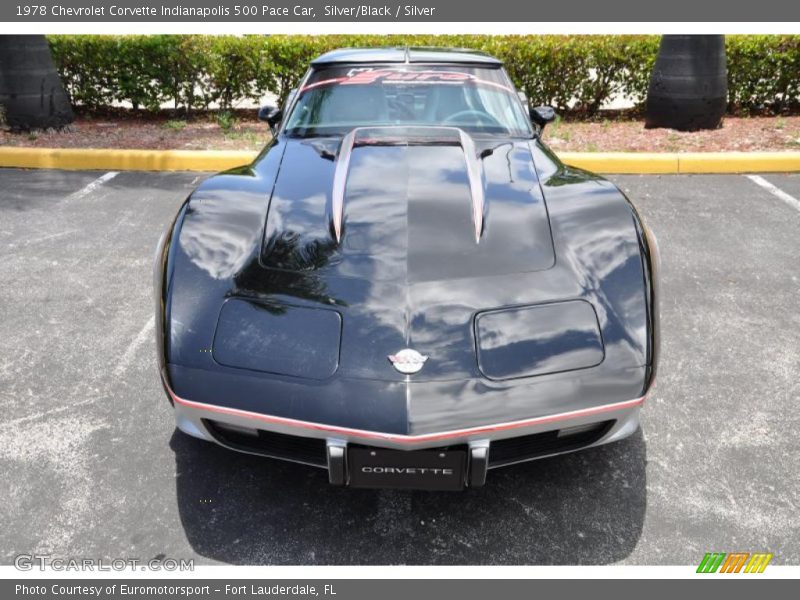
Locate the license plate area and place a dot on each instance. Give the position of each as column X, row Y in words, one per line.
column 438, row 470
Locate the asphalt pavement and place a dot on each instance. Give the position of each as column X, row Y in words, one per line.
column 93, row 466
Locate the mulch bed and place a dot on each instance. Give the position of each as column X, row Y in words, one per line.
column 131, row 130
column 242, row 131
column 741, row 134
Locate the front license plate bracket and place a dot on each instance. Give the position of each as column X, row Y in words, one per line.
column 438, row 470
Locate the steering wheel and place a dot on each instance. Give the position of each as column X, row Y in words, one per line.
column 482, row 116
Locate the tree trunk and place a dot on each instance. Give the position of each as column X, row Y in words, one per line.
column 31, row 93
column 689, row 85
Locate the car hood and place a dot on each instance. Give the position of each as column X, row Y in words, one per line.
column 409, row 237
column 413, row 208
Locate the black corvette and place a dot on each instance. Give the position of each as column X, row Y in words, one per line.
column 406, row 287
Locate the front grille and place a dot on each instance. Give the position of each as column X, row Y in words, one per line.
column 311, row 451
column 511, row 450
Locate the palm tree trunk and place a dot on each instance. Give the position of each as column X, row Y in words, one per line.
column 31, row 93
column 689, row 85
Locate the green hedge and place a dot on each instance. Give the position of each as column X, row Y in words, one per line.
column 763, row 71
column 571, row 73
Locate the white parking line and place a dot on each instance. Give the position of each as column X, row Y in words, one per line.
column 39, row 240
column 94, row 185
column 47, row 413
column 133, row 347
column 775, row 191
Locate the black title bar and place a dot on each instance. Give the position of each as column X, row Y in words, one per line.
column 350, row 11
column 397, row 589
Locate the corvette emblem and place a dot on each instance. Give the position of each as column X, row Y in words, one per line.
column 407, row 361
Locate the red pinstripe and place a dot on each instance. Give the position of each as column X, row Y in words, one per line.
column 406, row 439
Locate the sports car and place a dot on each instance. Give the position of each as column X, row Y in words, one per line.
column 406, row 287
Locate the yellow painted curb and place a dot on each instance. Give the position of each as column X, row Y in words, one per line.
column 218, row 160
column 123, row 160
column 684, row 162
column 738, row 162
column 622, row 162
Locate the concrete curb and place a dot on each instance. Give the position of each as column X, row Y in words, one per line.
column 684, row 162
column 123, row 160
column 218, row 160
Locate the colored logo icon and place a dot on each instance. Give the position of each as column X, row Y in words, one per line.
column 735, row 562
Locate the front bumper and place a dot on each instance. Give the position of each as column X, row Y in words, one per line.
column 326, row 446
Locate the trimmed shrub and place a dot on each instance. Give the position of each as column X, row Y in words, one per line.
column 763, row 71
column 574, row 74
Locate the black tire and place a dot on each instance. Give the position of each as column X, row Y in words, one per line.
column 689, row 85
column 31, row 93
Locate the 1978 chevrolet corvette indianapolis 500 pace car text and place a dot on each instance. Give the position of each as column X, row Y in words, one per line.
column 406, row 287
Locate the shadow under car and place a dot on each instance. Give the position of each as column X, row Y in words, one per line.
column 582, row 508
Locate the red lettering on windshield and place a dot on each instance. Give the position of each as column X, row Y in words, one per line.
column 367, row 77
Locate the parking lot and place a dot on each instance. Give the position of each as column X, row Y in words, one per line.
column 93, row 467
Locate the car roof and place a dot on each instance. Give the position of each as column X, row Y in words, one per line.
column 406, row 54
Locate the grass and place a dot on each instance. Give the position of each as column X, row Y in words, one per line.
column 555, row 130
column 175, row 124
column 555, row 126
column 246, row 136
column 226, row 120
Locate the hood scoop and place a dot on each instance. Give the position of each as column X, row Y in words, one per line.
column 407, row 136
column 406, row 204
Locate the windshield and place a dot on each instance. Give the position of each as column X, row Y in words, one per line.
column 479, row 100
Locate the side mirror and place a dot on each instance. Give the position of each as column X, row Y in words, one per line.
column 271, row 115
column 542, row 115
